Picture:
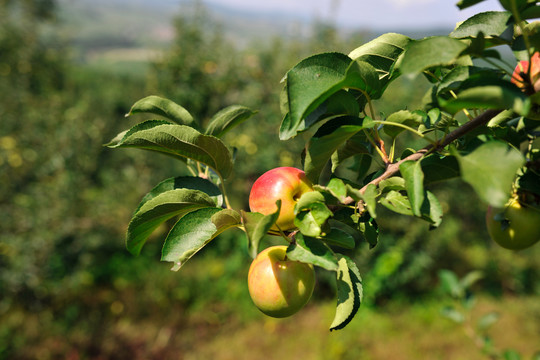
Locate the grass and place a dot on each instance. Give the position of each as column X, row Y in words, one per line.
column 396, row 330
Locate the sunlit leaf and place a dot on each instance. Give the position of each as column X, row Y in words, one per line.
column 163, row 107
column 321, row 147
column 311, row 213
column 414, row 184
column 257, row 226
column 227, row 119
column 382, row 53
column 429, row 52
column 181, row 142
column 160, row 208
column 490, row 23
column 349, row 293
column 184, row 182
column 312, row 251
column 491, row 169
column 194, row 230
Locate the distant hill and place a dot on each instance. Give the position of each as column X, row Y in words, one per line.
column 98, row 26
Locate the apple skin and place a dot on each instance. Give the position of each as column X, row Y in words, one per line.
column 523, row 227
column 279, row 287
column 532, row 84
column 283, row 183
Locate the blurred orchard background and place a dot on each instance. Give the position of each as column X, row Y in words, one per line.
column 70, row 70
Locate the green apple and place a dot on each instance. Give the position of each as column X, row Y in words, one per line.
column 279, row 287
column 515, row 226
column 283, row 183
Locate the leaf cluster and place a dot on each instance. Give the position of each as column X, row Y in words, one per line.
column 476, row 124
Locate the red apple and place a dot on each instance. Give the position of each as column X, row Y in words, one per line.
column 514, row 227
column 283, row 183
column 279, row 287
column 529, row 82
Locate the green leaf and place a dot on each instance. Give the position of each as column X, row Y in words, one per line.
column 181, row 142
column 341, row 235
column 451, row 284
column 409, row 118
column 159, row 209
column 349, row 293
column 463, row 4
column 321, row 147
column 460, row 74
column 312, row 251
column 227, row 119
column 470, row 279
column 318, row 78
column 490, row 24
column 429, row 52
column 356, row 145
column 491, row 169
column 370, row 199
column 431, row 210
column 396, row 202
column 312, row 81
column 382, row 53
column 370, row 230
column 511, row 354
column 453, row 314
column 438, row 167
column 362, row 76
column 338, row 188
column 163, row 107
column 414, row 184
column 257, row 226
column 185, row 182
column 311, row 213
column 485, row 322
column 392, row 183
column 491, row 94
column 194, row 230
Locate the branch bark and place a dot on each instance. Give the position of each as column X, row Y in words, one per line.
column 393, row 168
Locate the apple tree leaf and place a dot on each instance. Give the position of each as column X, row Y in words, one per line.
column 397, row 202
column 429, row 52
column 184, row 182
column 312, row 251
column 492, row 24
column 312, row 81
column 414, row 184
column 227, row 119
column 349, row 292
column 194, row 230
column 164, row 107
column 311, row 213
column 382, row 53
column 368, row 228
column 179, row 141
column 154, row 212
column 487, row 93
column 257, row 226
column 491, row 169
column 463, row 4
column 341, row 235
column 327, row 140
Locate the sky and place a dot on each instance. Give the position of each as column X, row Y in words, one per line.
column 382, row 14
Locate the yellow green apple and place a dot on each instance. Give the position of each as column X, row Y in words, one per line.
column 278, row 286
column 515, row 226
column 283, row 183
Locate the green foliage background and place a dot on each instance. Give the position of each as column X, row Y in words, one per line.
column 65, row 200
